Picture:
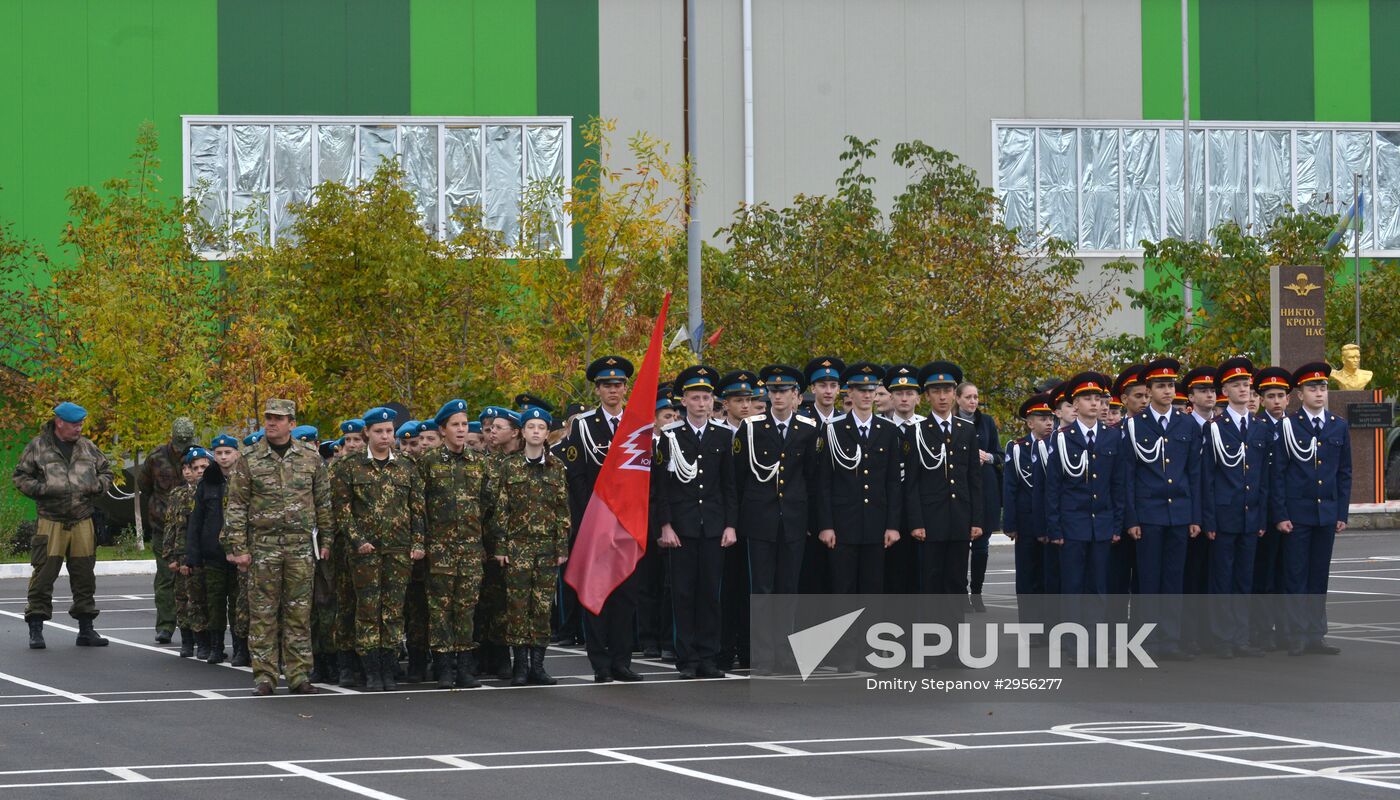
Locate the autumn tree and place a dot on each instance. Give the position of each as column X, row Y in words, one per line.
column 123, row 321
column 1230, row 278
column 361, row 305
column 940, row 276
column 631, row 210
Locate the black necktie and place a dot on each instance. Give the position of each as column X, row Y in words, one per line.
column 947, row 429
column 613, row 422
column 1317, row 426
column 864, row 433
column 782, row 430
column 1091, row 438
column 1242, row 419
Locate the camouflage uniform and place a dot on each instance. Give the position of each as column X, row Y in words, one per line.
column 274, row 504
column 491, row 607
column 190, row 611
column 380, row 504
column 531, row 527
column 415, row 606
column 456, row 490
column 159, row 476
column 343, row 631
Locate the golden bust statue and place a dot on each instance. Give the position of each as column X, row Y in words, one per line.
column 1351, row 375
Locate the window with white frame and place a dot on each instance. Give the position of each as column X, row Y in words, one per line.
column 258, row 168
column 1106, row 186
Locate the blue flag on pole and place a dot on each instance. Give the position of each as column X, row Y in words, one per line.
column 1351, row 220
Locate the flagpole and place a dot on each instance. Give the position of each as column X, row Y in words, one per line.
column 1358, row 212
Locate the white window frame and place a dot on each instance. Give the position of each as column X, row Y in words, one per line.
column 1370, row 183
column 566, row 155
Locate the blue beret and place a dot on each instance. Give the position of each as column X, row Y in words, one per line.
column 352, row 426
column 408, row 430
column 535, row 412
column 448, row 409
column 474, row 427
column 196, row 452
column 253, row 438
column 70, row 412
column 223, row 440
column 379, row 414
column 497, row 412
column 427, row 425
column 305, row 433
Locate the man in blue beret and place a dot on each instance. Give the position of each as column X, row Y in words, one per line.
column 476, row 440
column 63, row 473
column 428, row 435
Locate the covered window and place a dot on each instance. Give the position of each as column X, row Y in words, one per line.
column 259, row 167
column 1106, row 186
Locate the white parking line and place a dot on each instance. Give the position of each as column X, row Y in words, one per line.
column 52, row 690
column 363, row 791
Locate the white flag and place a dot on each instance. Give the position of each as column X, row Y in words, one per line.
column 682, row 336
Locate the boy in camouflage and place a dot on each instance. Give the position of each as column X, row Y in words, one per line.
column 190, row 616
column 203, row 553
column 351, row 672
column 378, row 501
column 457, row 499
column 530, row 529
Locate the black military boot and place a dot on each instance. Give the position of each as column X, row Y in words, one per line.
column 36, row 633
column 217, row 654
column 388, row 662
column 537, row 674
column 240, row 652
column 444, row 665
column 163, row 637
column 503, row 662
column 201, row 645
column 332, row 667
column 87, row 636
column 466, row 670
column 374, row 673
column 348, row 676
column 318, row 669
column 186, row 643
column 521, row 672
column 417, row 666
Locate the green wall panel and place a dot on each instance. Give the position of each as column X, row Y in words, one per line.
column 504, row 56
column 443, row 72
column 1257, row 59
column 1161, row 58
column 185, row 74
column 54, row 113
column 1384, row 40
column 328, row 57
column 1342, row 60
column 567, row 59
column 11, row 105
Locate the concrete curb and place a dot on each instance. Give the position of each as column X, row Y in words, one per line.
column 141, row 567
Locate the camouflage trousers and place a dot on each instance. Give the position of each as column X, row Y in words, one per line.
column 491, row 607
column 344, row 583
column 324, row 613
column 279, row 598
column 452, row 599
column 220, row 596
column 191, row 609
column 238, row 619
column 530, row 583
column 415, row 607
column 381, row 584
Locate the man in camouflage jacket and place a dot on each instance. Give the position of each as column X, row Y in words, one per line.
column 278, row 499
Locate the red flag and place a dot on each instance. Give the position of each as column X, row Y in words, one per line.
column 613, row 533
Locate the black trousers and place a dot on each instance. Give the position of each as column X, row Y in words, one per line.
column 696, row 569
column 734, row 604
column 609, row 636
column 857, row 568
column 654, row 618
column 776, row 567
column 568, row 622
column 902, row 566
column 816, row 568
column 943, row 566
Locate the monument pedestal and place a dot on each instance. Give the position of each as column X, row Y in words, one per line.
column 1367, row 444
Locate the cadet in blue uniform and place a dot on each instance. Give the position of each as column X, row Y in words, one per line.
column 1314, row 451
column 1163, row 508
column 1023, row 509
column 1131, row 393
column 693, row 492
column 1266, row 619
column 1199, row 385
column 1235, row 498
column 1085, row 497
column 860, row 504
